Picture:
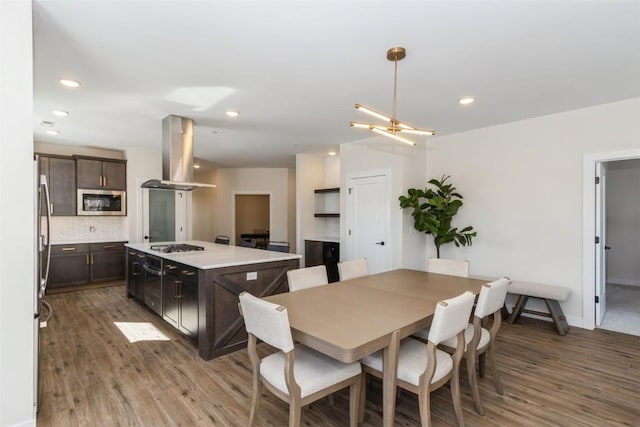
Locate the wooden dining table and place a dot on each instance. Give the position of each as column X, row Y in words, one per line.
column 350, row 319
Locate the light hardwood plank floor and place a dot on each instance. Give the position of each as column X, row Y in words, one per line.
column 91, row 375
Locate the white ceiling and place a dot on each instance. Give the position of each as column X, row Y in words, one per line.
column 295, row 69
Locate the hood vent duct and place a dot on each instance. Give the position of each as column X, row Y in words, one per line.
column 177, row 156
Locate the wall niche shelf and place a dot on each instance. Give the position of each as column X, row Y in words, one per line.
column 327, row 202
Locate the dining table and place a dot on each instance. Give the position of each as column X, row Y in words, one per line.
column 350, row 319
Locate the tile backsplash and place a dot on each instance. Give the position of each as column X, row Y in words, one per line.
column 85, row 229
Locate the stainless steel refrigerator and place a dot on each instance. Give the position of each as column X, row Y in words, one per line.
column 42, row 256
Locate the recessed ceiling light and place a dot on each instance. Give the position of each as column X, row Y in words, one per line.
column 332, row 153
column 59, row 113
column 466, row 100
column 52, row 132
column 232, row 113
column 69, row 83
column 196, row 166
column 215, row 132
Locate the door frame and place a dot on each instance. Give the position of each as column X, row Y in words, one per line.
column 589, row 279
column 232, row 204
column 349, row 249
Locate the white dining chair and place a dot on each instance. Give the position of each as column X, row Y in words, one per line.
column 452, row 267
column 422, row 367
column 308, row 277
column 296, row 374
column 480, row 341
column 353, row 268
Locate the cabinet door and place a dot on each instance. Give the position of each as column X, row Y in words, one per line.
column 107, row 266
column 135, row 275
column 89, row 174
column 170, row 293
column 312, row 253
column 62, row 186
column 115, row 175
column 189, row 303
column 69, row 266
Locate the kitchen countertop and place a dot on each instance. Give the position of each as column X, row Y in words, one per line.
column 324, row 239
column 215, row 255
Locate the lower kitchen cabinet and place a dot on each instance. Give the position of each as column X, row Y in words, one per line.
column 135, row 274
column 69, row 266
column 180, row 297
column 319, row 252
column 85, row 263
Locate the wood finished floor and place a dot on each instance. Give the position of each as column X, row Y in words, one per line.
column 92, row 376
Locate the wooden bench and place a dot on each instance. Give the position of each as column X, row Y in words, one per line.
column 549, row 293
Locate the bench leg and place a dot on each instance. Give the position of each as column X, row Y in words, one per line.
column 558, row 316
column 517, row 309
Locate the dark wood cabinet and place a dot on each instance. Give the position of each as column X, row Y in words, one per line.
column 61, row 179
column 135, row 274
column 180, row 297
column 318, row 252
column 101, row 174
column 69, row 266
column 107, row 261
column 85, row 263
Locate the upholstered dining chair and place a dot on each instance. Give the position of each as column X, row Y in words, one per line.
column 224, row 240
column 480, row 341
column 353, row 268
column 308, row 277
column 296, row 374
column 248, row 243
column 278, row 246
column 422, row 367
column 452, row 267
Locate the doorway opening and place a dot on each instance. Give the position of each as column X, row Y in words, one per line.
column 608, row 212
column 252, row 218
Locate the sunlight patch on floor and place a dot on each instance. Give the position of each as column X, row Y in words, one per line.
column 141, row 331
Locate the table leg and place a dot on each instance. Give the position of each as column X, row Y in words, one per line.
column 390, row 372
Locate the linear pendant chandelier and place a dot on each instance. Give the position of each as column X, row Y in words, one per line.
column 394, row 128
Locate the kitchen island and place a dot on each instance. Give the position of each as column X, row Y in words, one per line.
column 197, row 292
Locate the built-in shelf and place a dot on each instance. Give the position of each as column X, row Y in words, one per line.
column 327, row 200
column 327, row 190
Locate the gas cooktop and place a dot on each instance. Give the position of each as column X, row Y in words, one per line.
column 176, row 247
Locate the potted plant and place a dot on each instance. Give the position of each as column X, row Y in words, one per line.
column 433, row 211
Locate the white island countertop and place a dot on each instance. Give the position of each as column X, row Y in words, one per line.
column 215, row 255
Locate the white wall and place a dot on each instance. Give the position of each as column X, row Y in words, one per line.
column 623, row 222
column 274, row 181
column 408, row 169
column 203, row 204
column 142, row 164
column 522, row 187
column 309, row 176
column 17, row 216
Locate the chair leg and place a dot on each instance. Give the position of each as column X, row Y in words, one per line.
column 255, row 400
column 354, row 402
column 482, row 362
column 294, row 413
column 494, row 368
column 363, row 396
column 473, row 381
column 424, row 404
column 454, row 383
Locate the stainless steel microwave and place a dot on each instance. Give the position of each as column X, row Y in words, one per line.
column 102, row 202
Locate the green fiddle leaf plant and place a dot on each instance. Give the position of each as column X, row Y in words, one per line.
column 433, row 211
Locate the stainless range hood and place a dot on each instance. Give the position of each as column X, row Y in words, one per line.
column 177, row 156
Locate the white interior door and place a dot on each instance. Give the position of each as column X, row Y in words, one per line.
column 368, row 221
column 601, row 235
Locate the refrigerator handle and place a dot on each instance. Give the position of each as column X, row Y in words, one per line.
column 44, row 280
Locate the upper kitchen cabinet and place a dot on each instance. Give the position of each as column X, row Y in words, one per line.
column 61, row 178
column 101, row 174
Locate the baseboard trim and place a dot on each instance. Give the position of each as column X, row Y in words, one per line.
column 626, row 282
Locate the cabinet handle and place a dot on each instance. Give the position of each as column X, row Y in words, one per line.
column 171, row 267
column 69, row 249
column 87, row 259
column 109, row 246
column 104, row 179
column 100, row 185
column 51, row 208
column 176, row 289
column 135, row 271
column 188, row 273
column 140, row 256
